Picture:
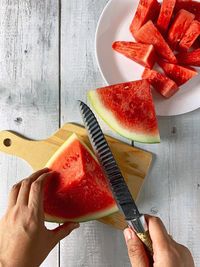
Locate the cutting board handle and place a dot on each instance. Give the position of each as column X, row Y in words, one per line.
column 36, row 153
column 14, row 144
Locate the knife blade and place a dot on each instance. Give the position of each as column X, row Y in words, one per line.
column 117, row 183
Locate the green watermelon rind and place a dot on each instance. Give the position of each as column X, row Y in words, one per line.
column 108, row 117
column 89, row 216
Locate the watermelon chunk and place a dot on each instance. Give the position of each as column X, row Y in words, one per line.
column 149, row 34
column 80, row 191
column 129, row 110
column 179, row 27
column 177, row 73
column 141, row 53
column 190, row 36
column 165, row 86
column 191, row 58
column 146, row 10
column 165, row 15
column 191, row 6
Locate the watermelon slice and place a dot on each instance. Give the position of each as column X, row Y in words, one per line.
column 191, row 6
column 129, row 110
column 177, row 73
column 191, row 58
column 165, row 86
column 141, row 53
column 80, row 191
column 190, row 36
column 165, row 15
column 179, row 27
column 146, row 10
column 149, row 34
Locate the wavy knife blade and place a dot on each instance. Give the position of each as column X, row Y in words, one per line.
column 116, row 180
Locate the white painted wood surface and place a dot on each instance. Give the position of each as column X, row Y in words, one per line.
column 172, row 189
column 94, row 244
column 29, row 92
column 30, row 42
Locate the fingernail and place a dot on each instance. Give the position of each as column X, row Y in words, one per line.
column 128, row 234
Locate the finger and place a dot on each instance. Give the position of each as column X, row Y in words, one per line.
column 36, row 192
column 63, row 230
column 13, row 195
column 136, row 250
column 23, row 195
column 158, row 233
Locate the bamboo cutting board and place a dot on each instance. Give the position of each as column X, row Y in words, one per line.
column 133, row 162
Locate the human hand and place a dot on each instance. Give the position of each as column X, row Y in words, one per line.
column 24, row 239
column 167, row 253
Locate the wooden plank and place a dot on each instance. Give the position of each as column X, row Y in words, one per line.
column 172, row 190
column 94, row 244
column 28, row 81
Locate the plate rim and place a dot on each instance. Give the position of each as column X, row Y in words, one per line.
column 101, row 71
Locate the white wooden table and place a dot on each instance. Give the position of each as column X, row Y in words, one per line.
column 47, row 62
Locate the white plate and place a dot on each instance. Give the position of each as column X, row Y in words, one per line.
column 113, row 26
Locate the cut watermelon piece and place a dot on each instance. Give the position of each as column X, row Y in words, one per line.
column 177, row 73
column 146, row 10
column 191, row 58
column 179, row 27
column 129, row 110
column 190, row 36
column 141, row 53
column 80, row 191
column 149, row 34
column 165, row 86
column 191, row 6
column 165, row 15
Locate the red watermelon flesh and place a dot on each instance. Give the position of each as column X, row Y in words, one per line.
column 191, row 58
column 165, row 86
column 128, row 109
column 80, row 191
column 165, row 15
column 149, row 34
column 191, row 6
column 177, row 73
column 190, row 36
column 146, row 10
column 179, row 27
column 141, row 53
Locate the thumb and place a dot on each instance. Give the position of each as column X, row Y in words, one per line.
column 136, row 250
column 63, row 230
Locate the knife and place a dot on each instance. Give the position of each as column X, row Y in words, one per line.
column 117, row 183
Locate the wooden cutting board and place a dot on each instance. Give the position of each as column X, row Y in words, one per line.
column 133, row 162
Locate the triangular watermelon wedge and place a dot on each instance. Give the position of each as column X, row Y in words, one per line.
column 129, row 110
column 143, row 54
column 80, row 191
column 177, row 73
column 149, row 34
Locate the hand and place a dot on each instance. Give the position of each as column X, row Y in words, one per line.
column 167, row 253
column 24, row 239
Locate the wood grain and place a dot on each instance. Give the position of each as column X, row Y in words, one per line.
column 172, row 190
column 93, row 244
column 28, row 81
